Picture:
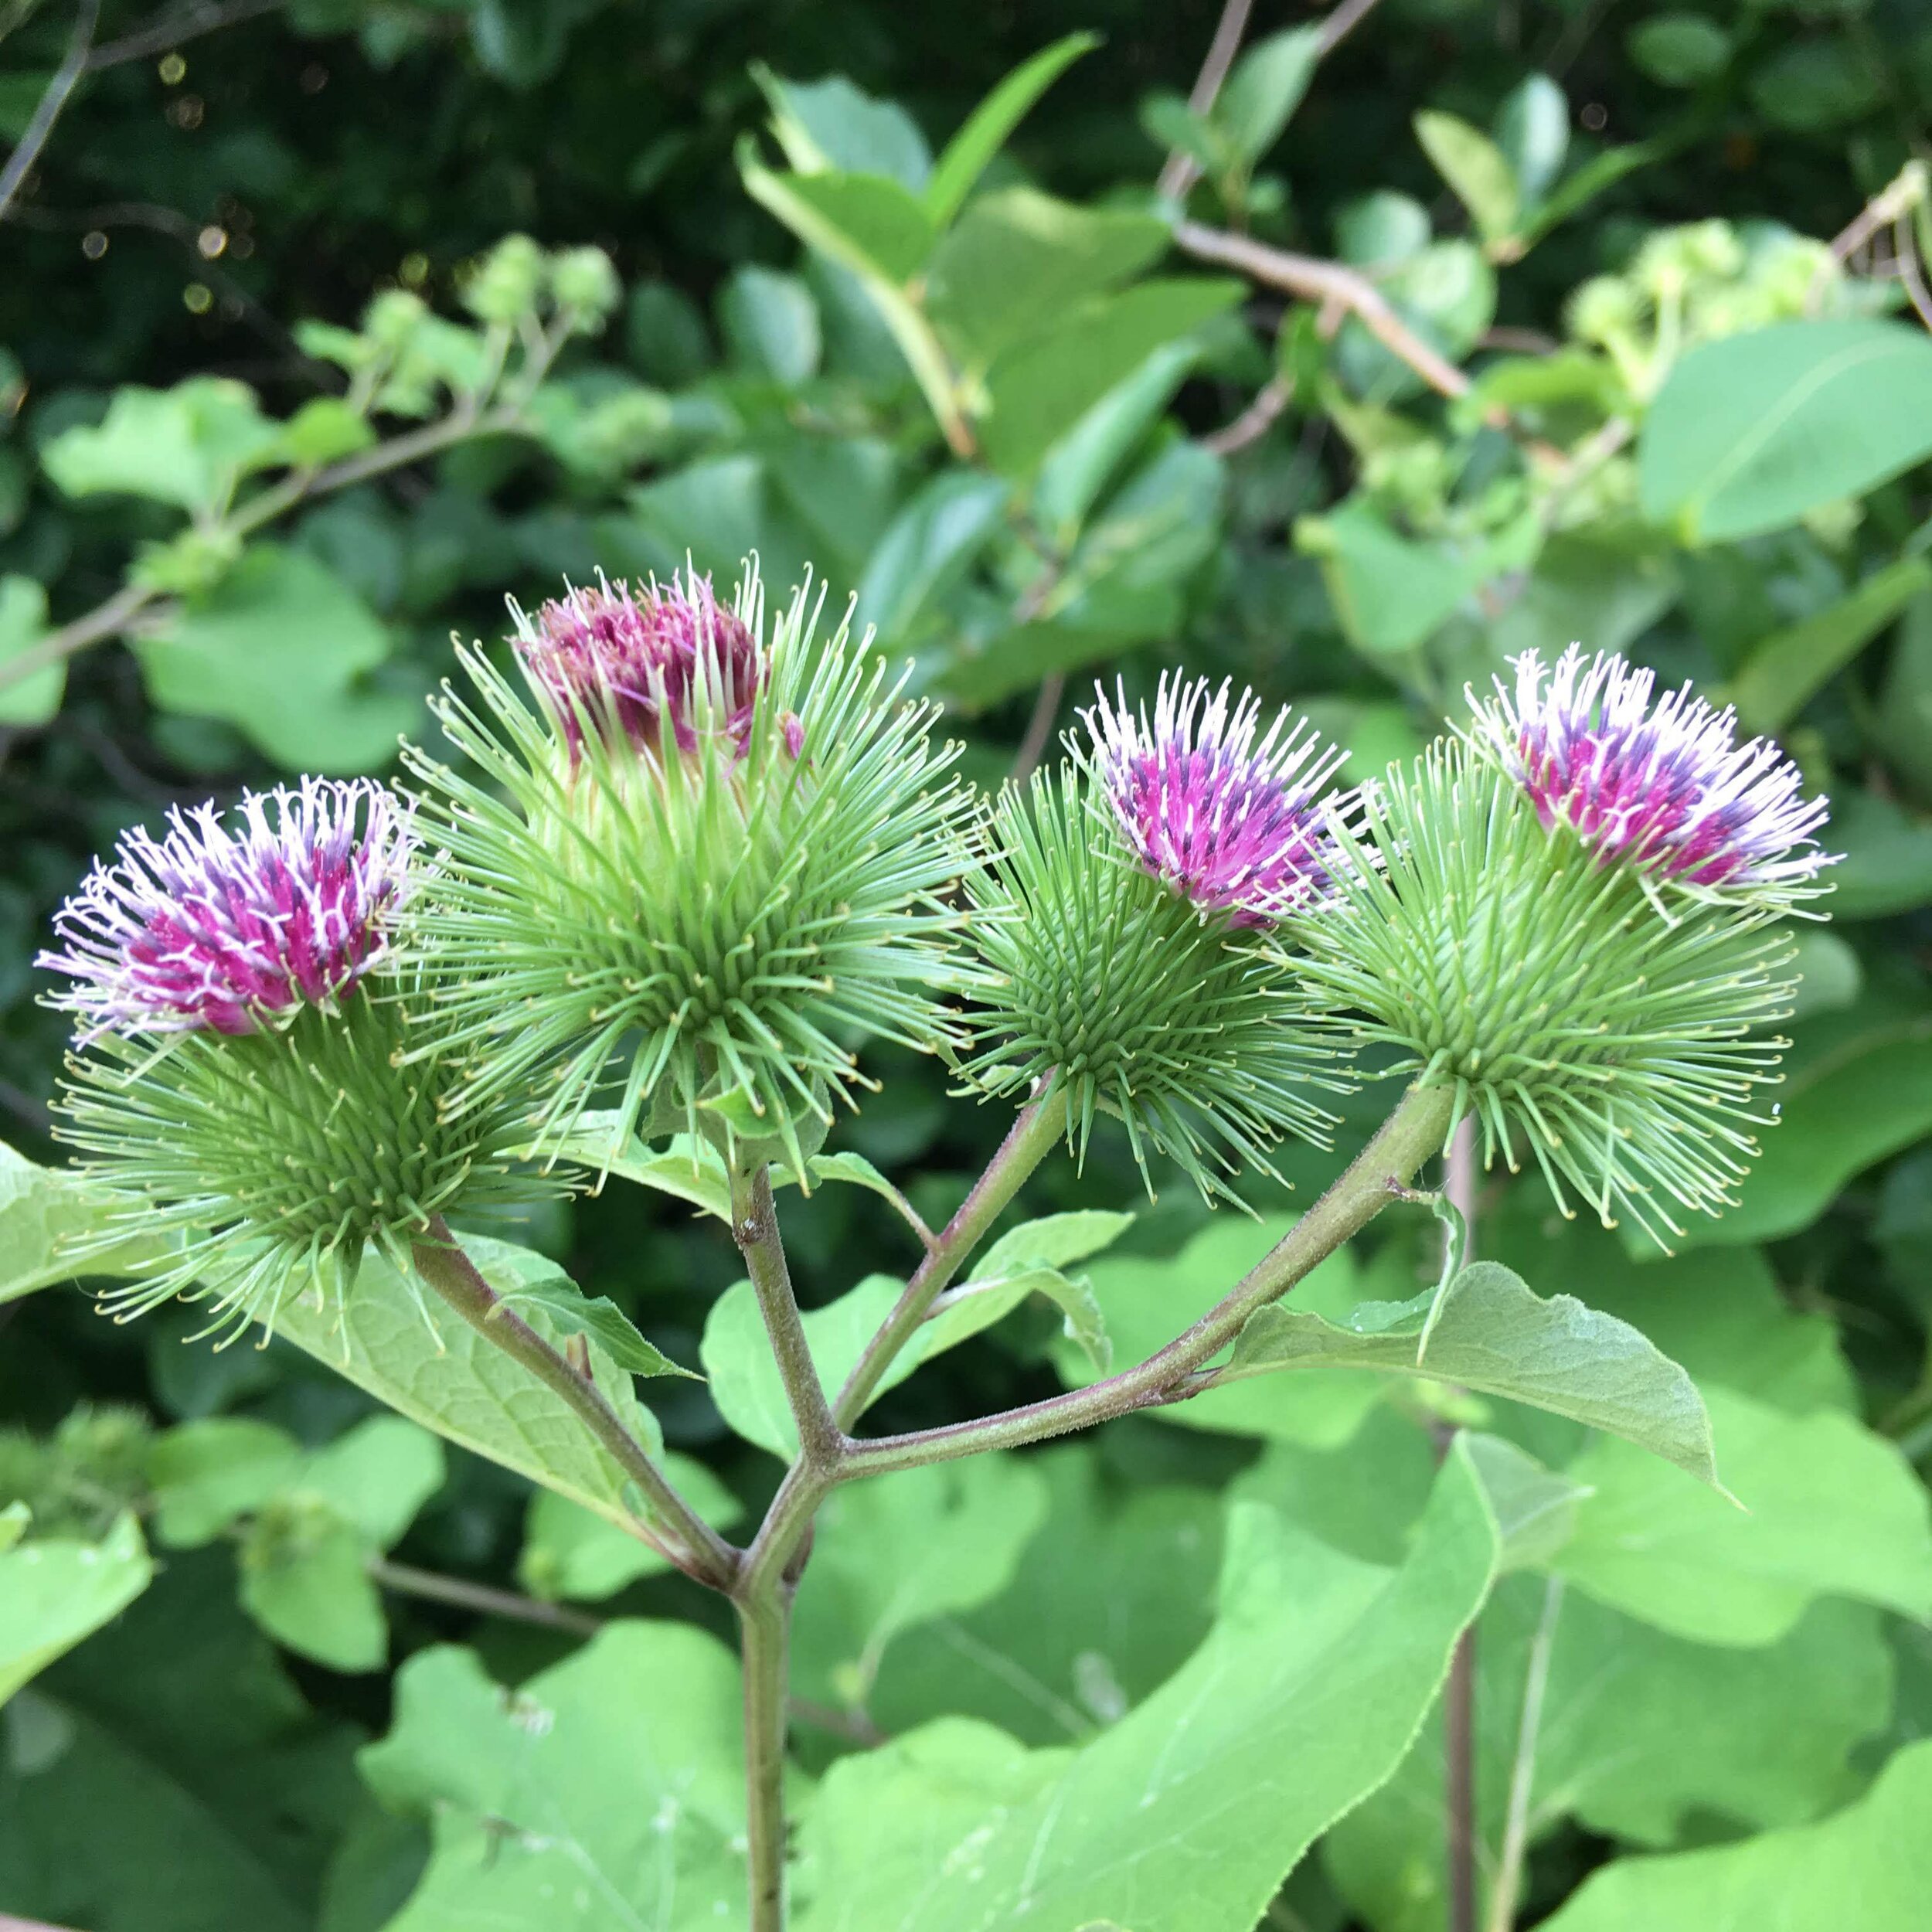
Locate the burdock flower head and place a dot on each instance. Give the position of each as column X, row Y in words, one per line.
column 1665, row 787
column 1118, row 920
column 1226, row 815
column 238, row 1078
column 700, row 871
column 1568, row 918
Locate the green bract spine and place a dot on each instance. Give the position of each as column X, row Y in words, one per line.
column 1106, row 980
column 1573, row 1014
column 701, row 933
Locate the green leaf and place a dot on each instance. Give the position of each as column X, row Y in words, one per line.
column 1749, row 433
column 1446, row 293
column 206, row 1476
column 573, row 1312
column 1106, row 1602
column 33, row 699
column 1475, row 168
column 278, row 649
column 891, row 1554
column 1268, row 82
column 964, row 157
column 1868, row 1869
column 1787, row 669
column 687, row 1169
column 944, row 529
column 1829, row 1509
column 1857, row 1086
column 413, row 1354
column 1532, row 135
column 1079, row 467
column 1184, row 1816
column 1679, row 50
column 1887, row 862
column 770, row 324
column 1489, row 1332
column 56, row 1591
column 570, row 1553
column 376, row 1476
column 831, row 125
column 608, row 1783
column 187, row 446
column 1019, row 260
column 880, row 220
column 1147, row 1302
column 1641, row 1737
column 1040, row 388
column 323, row 430
column 304, row 1579
column 1583, row 186
column 43, row 1212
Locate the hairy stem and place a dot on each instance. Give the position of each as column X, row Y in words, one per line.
column 764, row 1626
column 1460, row 1182
column 1412, row 1132
column 692, row 1543
column 754, row 1227
column 432, row 1587
column 1040, row 1123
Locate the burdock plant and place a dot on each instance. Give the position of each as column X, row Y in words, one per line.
column 675, row 883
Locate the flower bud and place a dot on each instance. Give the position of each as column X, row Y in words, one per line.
column 584, row 281
column 392, row 319
column 241, row 1080
column 504, row 286
column 707, row 868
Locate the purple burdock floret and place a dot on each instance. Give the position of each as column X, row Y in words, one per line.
column 221, row 925
column 1232, row 818
column 639, row 658
column 1666, row 787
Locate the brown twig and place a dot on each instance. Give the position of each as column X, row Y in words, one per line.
column 189, row 24
column 1181, row 171
column 60, row 84
column 1039, row 726
column 1254, row 422
column 460, row 1593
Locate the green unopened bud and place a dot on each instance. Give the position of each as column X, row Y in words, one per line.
column 1603, row 309
column 505, row 286
column 189, row 564
column 392, row 319
column 584, row 281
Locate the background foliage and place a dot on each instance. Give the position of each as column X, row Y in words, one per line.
column 1107, row 451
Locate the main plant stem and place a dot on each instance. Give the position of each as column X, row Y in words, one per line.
column 1459, row 1693
column 692, row 1543
column 764, row 1627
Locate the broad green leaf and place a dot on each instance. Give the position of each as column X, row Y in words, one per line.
column 574, row 1312
column 1829, row 1509
column 304, row 1579
column 1019, row 260
column 770, row 324
column 853, row 1170
column 186, row 446
column 1868, row 1869
column 1106, row 1601
column 1380, row 229
column 831, row 125
column 325, row 429
column 207, row 1474
column 744, row 1380
column 1749, row 433
column 1786, row 670
column 1887, row 862
column 1475, row 168
column 1679, row 50
column 692, row 1170
column 1535, row 1507
column 1185, row 1816
column 1532, row 133
column 36, row 698
column 377, row 1475
column 55, row 1591
column 606, row 1786
column 1147, row 1302
column 43, row 1212
column 1268, row 82
column 1054, row 1241
column 1641, row 1735
column 1076, row 470
column 413, row 1354
column 570, row 1553
column 1039, row 388
column 1491, row 1332
column 278, row 649
column 934, row 540
column 1579, row 588
column 1446, row 293
column 1829, row 976
column 894, row 1552
column 1857, row 1086
column 964, row 157
column 1585, row 184
column 881, row 220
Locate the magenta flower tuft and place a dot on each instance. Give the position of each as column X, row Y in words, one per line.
column 670, row 651
column 222, row 926
column 1666, row 787
column 1232, row 821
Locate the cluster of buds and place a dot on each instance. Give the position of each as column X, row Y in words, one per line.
column 692, row 868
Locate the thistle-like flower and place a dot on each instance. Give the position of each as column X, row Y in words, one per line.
column 1501, row 955
column 1665, row 787
column 1226, row 815
column 607, row 655
column 1140, row 1001
column 226, row 927
column 240, row 1080
column 704, row 919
